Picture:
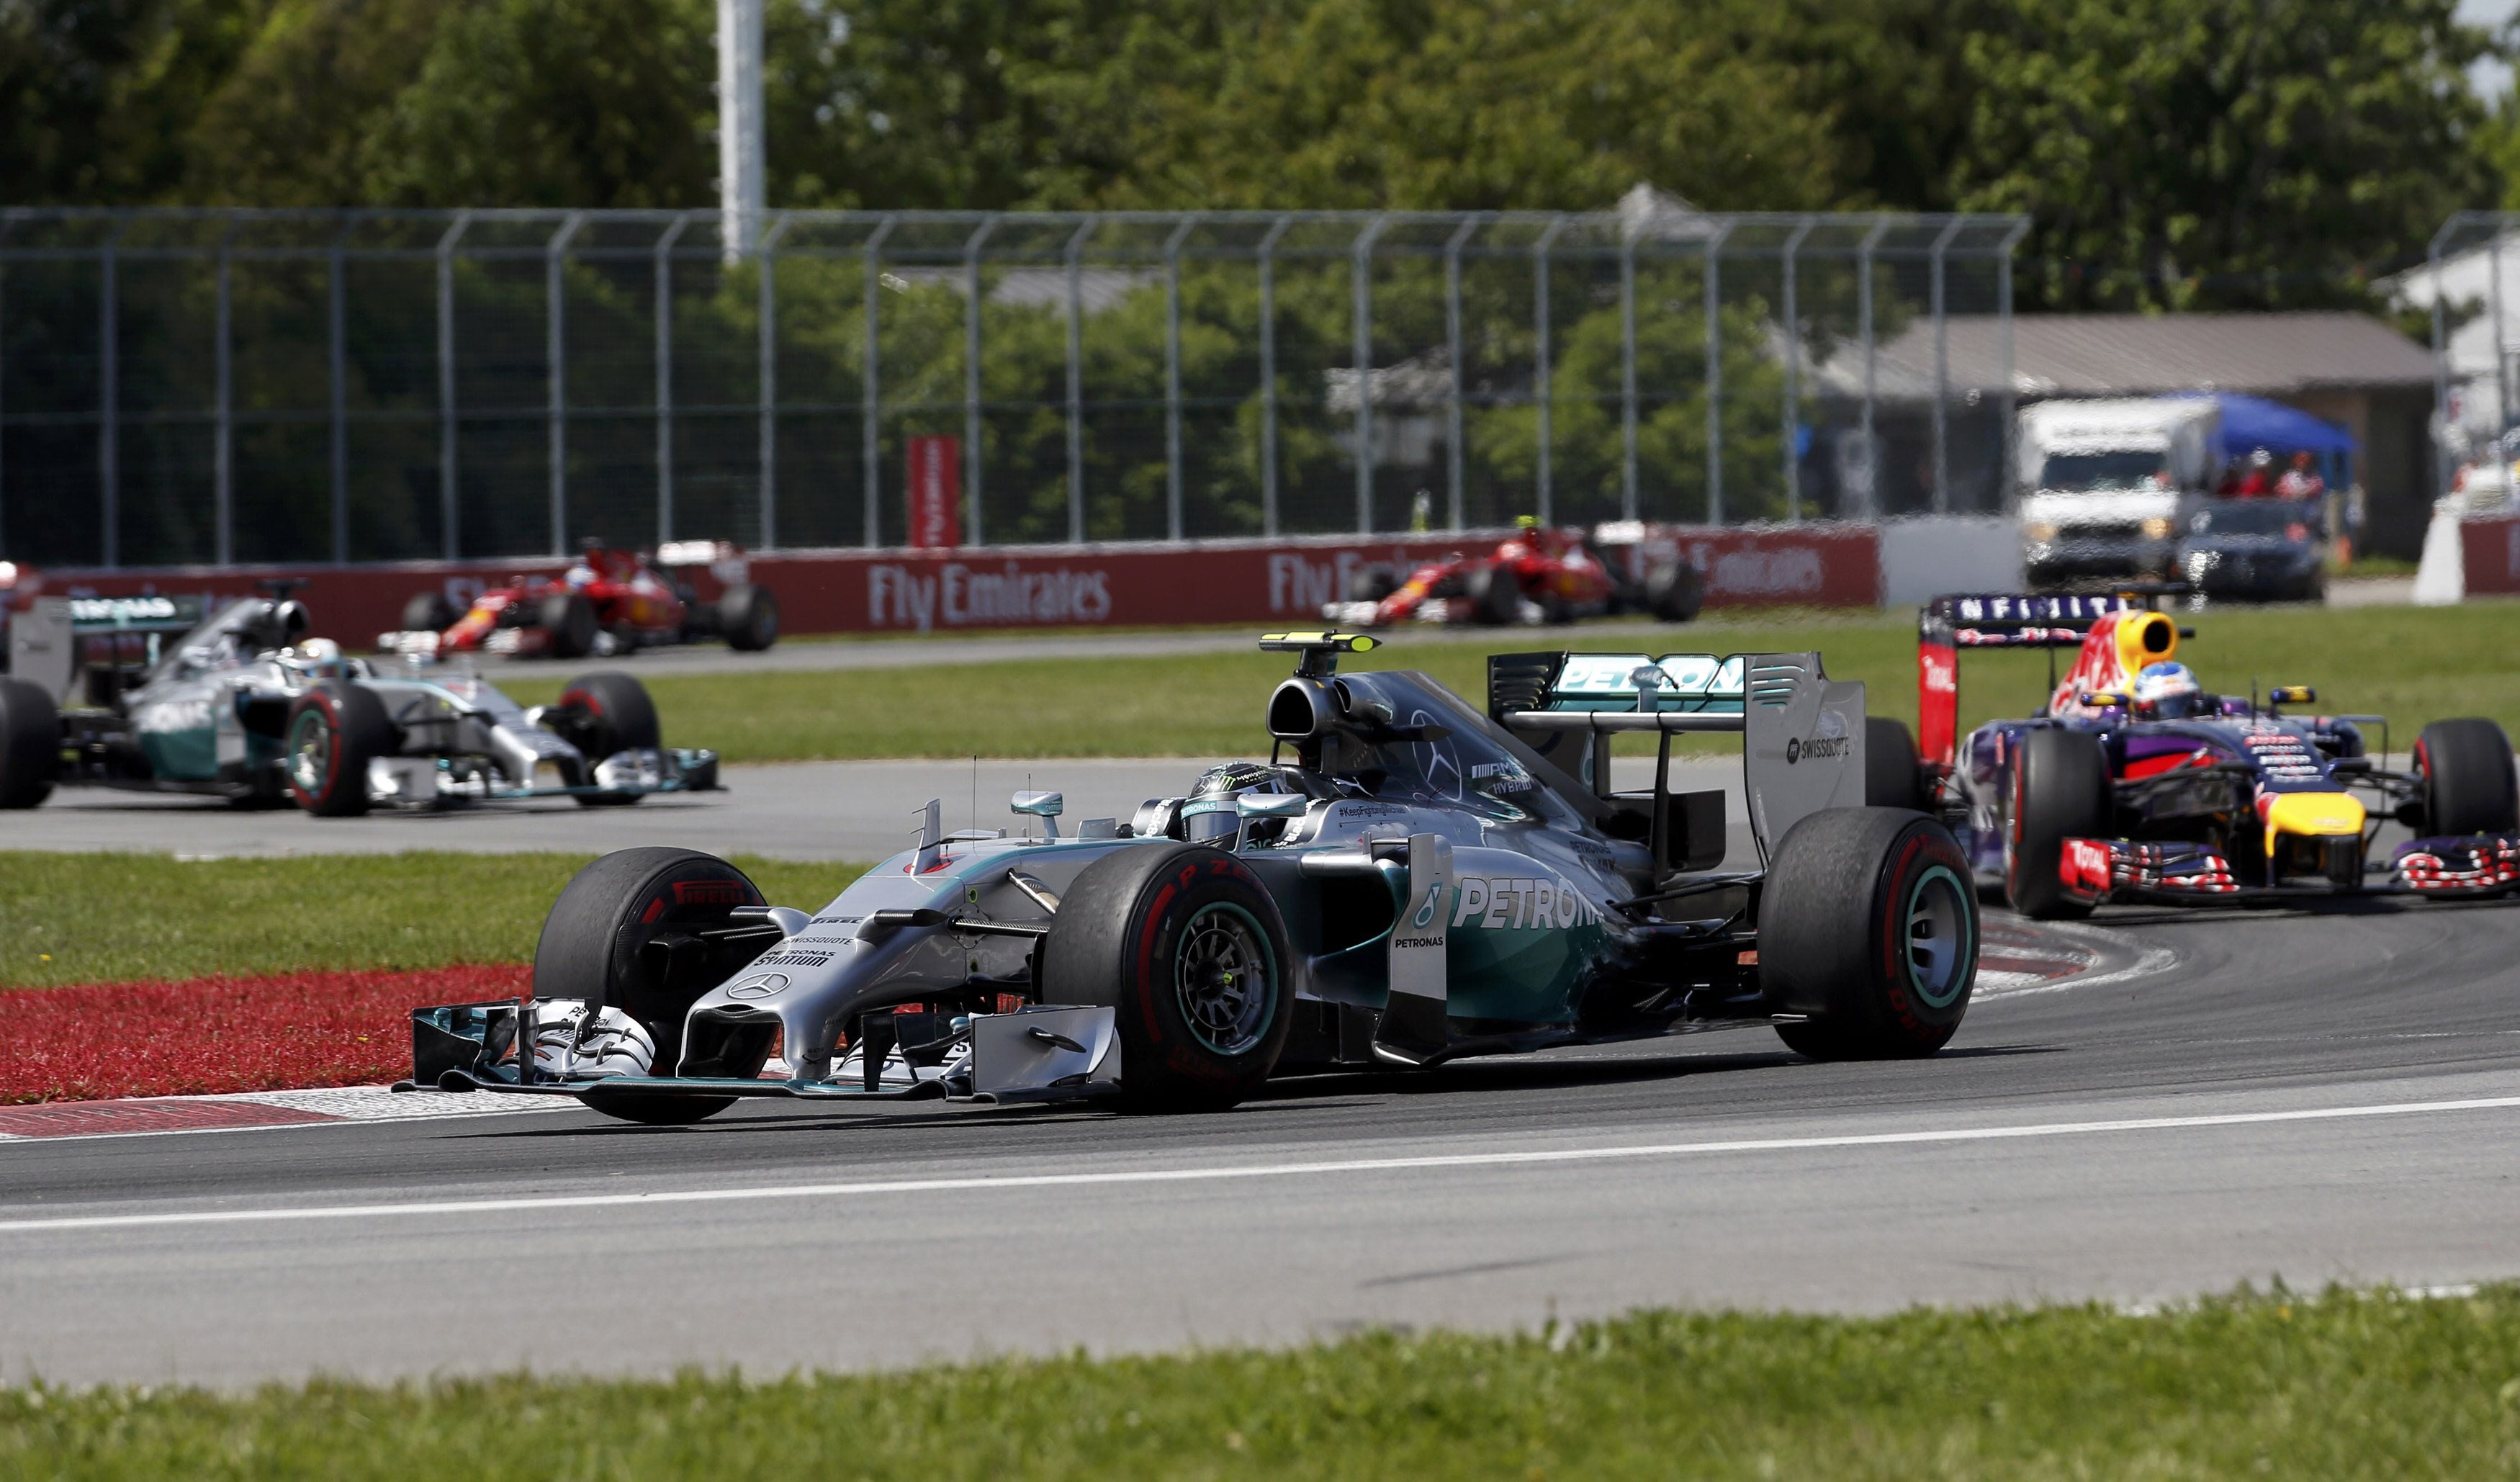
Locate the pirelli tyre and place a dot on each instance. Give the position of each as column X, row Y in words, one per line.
column 568, row 621
column 1675, row 593
column 1892, row 775
column 333, row 731
column 747, row 617
column 1495, row 594
column 30, row 742
column 603, row 713
column 626, row 932
column 2060, row 790
column 2467, row 783
column 1187, row 949
column 428, row 612
column 1869, row 928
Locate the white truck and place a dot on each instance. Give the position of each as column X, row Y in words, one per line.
column 2103, row 485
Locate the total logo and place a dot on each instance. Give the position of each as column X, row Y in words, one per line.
column 1512, row 903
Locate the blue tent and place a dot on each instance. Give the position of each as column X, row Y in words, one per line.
column 2250, row 422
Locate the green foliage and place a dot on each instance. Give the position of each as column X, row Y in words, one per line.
column 121, row 918
column 2349, row 1384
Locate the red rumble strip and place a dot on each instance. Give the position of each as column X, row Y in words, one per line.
column 86, row 1119
column 225, row 1035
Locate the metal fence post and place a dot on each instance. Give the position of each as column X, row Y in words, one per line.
column 1715, row 373
column 1268, row 375
column 1545, row 392
column 108, row 451
column 1627, row 373
column 2441, row 364
column 448, row 508
column 2005, row 410
column 223, row 413
column 1360, row 327
column 1871, row 505
column 1454, row 452
column 977, row 530
column 4, row 381
column 337, row 363
column 1942, row 378
column 2501, row 336
column 1172, row 378
column 870, row 381
column 765, row 256
column 556, row 349
column 664, row 271
column 1794, row 370
column 1076, row 381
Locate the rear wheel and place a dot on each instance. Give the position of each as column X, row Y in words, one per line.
column 625, row 932
column 749, row 616
column 568, row 621
column 1675, row 593
column 30, row 742
column 2060, row 790
column 1892, row 777
column 1185, row 946
column 335, row 730
column 428, row 612
column 2468, row 786
column 1868, row 925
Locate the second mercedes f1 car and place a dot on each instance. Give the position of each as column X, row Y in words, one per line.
column 246, row 706
column 1411, row 877
column 2134, row 783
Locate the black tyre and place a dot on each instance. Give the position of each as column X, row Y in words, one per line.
column 2060, row 790
column 335, row 730
column 1675, row 593
column 1371, row 584
column 1892, row 775
column 2468, row 785
column 625, row 931
column 749, row 616
column 428, row 612
column 1185, row 945
column 600, row 714
column 1495, row 594
column 568, row 621
column 30, row 742
column 1868, row 923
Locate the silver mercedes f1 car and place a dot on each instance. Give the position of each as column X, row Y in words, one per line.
column 244, row 705
column 1409, row 879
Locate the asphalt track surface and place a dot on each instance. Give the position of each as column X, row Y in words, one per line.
column 2312, row 1096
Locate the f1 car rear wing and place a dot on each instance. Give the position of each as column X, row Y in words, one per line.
column 1948, row 625
column 56, row 638
column 1802, row 733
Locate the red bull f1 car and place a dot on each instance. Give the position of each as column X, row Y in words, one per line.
column 2133, row 782
column 610, row 601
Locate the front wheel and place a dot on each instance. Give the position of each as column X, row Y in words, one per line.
column 749, row 616
column 30, row 742
column 1675, row 593
column 1869, row 928
column 2060, row 790
column 569, row 623
column 1187, row 948
column 335, row 730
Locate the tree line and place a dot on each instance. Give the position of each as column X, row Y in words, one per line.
column 2170, row 152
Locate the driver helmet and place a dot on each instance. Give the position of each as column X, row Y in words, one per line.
column 1209, row 815
column 320, row 658
column 2168, row 691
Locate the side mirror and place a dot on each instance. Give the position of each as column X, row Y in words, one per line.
column 1046, row 806
column 1255, row 807
column 2292, row 694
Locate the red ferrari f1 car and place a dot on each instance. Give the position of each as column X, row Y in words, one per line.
column 1537, row 576
column 612, row 602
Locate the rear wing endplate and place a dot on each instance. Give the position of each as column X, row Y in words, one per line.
column 1948, row 625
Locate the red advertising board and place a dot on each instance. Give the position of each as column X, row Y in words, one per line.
column 921, row 591
column 935, row 490
column 2491, row 552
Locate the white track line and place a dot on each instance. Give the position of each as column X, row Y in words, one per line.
column 1257, row 1171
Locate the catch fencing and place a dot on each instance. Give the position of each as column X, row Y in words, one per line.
column 191, row 388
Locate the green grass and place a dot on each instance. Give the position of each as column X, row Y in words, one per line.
column 117, row 917
column 2411, row 664
column 2345, row 1385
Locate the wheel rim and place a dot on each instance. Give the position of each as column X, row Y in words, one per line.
column 1226, row 979
column 1934, row 937
column 310, row 752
